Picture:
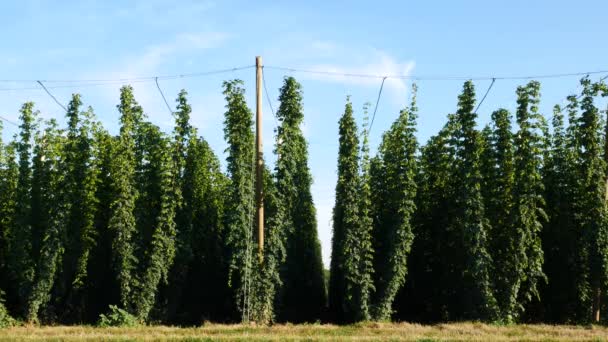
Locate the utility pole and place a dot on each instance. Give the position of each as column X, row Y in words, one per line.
column 259, row 167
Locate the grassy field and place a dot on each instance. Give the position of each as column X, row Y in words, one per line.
column 313, row 332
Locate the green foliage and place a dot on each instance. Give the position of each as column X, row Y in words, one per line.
column 122, row 222
column 117, row 317
column 475, row 225
column 8, row 186
column 559, row 235
column 499, row 177
column 101, row 287
column 83, row 186
column 142, row 218
column 267, row 283
column 5, row 318
column 345, row 265
column 303, row 295
column 49, row 209
column 200, row 242
column 21, row 260
column 359, row 284
column 432, row 257
column 81, row 203
column 202, row 221
column 522, row 257
column 591, row 172
column 573, row 240
column 182, row 133
column 155, row 215
column 239, row 211
column 468, row 220
column 397, row 168
column 183, row 249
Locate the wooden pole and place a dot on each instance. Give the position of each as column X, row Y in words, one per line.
column 259, row 157
column 597, row 298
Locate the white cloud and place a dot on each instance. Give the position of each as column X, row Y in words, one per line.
column 149, row 63
column 331, row 59
column 206, row 40
column 323, row 47
column 10, row 61
column 163, row 9
column 381, row 64
column 154, row 55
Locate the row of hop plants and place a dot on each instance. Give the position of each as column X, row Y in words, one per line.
column 145, row 226
column 502, row 224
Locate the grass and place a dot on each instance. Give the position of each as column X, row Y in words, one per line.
column 312, row 332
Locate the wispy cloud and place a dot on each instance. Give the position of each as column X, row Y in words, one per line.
column 164, row 9
column 154, row 55
column 331, row 59
column 8, row 60
column 151, row 60
column 380, row 64
column 324, row 47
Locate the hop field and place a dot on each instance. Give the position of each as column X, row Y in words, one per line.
column 313, row 332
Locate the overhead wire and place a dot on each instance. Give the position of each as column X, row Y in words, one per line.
column 51, row 95
column 376, row 107
column 268, row 98
column 9, row 121
column 435, row 78
column 72, row 83
column 95, row 82
column 485, row 95
column 131, row 79
column 76, row 83
column 163, row 96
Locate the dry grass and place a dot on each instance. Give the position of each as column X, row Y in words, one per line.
column 313, row 332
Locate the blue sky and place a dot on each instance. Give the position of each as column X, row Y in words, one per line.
column 53, row 40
